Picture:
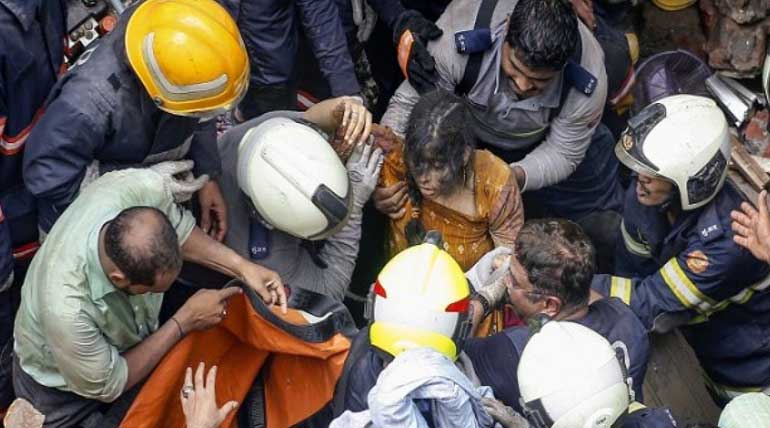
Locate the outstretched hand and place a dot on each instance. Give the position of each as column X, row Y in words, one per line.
column 199, row 401
column 752, row 228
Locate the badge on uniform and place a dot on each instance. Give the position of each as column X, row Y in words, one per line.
column 473, row 41
column 579, row 78
column 697, row 261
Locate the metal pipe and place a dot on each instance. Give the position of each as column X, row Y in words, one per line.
column 728, row 100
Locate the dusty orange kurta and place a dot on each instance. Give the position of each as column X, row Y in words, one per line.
column 499, row 210
column 299, row 380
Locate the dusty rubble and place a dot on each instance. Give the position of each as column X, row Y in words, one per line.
column 737, row 34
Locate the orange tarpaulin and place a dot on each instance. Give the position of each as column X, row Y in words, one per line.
column 300, row 376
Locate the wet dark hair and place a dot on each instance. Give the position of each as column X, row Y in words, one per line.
column 543, row 33
column 559, row 259
column 142, row 258
column 438, row 136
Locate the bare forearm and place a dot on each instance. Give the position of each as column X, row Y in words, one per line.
column 142, row 358
column 203, row 250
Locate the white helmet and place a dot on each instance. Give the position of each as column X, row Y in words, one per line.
column 571, row 377
column 295, row 180
column 681, row 138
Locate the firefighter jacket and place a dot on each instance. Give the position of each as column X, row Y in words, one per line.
column 691, row 274
column 99, row 118
column 31, row 59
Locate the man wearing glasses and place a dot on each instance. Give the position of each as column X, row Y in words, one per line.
column 549, row 276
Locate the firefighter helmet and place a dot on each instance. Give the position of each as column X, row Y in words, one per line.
column 294, row 179
column 683, row 139
column 571, row 377
column 189, row 56
column 421, row 298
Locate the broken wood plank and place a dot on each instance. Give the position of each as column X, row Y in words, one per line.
column 675, row 380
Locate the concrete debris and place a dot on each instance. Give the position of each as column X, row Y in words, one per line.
column 744, row 11
column 737, row 35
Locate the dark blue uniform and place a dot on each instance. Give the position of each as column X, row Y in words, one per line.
column 99, row 111
column 495, row 358
column 692, row 274
column 271, row 32
column 643, row 417
column 31, row 58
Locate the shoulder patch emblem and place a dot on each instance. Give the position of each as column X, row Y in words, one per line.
column 697, row 261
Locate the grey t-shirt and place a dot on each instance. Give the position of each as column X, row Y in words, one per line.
column 292, row 262
column 500, row 117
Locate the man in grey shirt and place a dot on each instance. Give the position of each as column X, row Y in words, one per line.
column 534, row 77
column 326, row 270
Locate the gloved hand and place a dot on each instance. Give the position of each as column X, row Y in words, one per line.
column 502, row 414
column 365, row 19
column 177, row 176
column 491, row 267
column 364, row 170
column 410, row 35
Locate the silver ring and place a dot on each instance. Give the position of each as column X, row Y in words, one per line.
column 224, row 313
column 187, row 390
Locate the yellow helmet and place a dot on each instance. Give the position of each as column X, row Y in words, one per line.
column 189, row 56
column 420, row 299
column 673, row 5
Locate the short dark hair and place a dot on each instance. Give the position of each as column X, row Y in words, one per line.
column 559, row 259
column 142, row 255
column 438, row 132
column 543, row 33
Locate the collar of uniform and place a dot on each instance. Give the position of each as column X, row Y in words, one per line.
column 98, row 282
column 23, row 10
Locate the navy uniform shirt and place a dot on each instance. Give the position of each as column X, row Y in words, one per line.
column 99, row 111
column 692, row 274
column 496, row 358
column 31, row 58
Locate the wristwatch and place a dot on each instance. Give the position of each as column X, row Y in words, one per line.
column 483, row 301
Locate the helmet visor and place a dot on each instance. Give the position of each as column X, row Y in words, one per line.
column 704, row 184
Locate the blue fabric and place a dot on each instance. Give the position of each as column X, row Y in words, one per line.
column 100, row 111
column 31, row 56
column 593, row 187
column 270, row 32
column 496, row 358
column 733, row 344
column 6, row 253
column 363, row 377
column 650, row 418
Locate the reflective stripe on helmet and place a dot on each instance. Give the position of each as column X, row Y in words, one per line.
column 172, row 91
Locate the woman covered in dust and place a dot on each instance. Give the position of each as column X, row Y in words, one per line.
column 469, row 196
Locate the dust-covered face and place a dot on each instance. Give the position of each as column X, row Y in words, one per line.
column 435, row 180
column 435, row 175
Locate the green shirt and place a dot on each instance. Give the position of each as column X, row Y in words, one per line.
column 73, row 324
